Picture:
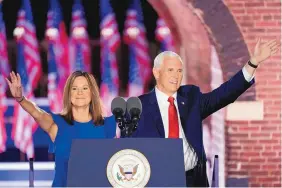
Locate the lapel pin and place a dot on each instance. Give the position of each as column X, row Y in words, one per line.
column 182, row 103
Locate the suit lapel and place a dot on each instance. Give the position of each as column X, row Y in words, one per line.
column 154, row 108
column 182, row 104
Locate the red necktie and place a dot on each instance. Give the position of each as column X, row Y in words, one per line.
column 172, row 120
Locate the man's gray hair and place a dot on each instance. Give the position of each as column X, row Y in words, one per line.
column 160, row 58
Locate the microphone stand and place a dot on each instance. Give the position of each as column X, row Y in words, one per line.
column 127, row 127
column 31, row 173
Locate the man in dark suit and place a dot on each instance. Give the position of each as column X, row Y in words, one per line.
column 174, row 111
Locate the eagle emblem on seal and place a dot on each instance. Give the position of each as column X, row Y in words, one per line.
column 128, row 172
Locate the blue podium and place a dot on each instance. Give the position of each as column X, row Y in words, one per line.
column 126, row 162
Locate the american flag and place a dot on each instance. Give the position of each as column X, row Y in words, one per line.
column 4, row 73
column 54, row 94
column 29, row 41
column 135, row 36
column 136, row 81
column 110, row 40
column 163, row 35
column 80, row 52
column 56, row 32
column 29, row 68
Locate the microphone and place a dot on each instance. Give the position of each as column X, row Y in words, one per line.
column 118, row 108
column 134, row 108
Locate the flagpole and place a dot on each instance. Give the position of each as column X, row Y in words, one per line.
column 22, row 156
column 31, row 173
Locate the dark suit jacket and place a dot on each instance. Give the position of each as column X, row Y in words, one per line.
column 193, row 106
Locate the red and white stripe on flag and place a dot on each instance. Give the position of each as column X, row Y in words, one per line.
column 3, row 135
column 54, row 94
column 24, row 129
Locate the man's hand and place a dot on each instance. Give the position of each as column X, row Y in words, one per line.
column 264, row 50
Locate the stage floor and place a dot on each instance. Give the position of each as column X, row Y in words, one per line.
column 17, row 174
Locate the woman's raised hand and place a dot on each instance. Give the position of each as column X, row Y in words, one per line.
column 15, row 86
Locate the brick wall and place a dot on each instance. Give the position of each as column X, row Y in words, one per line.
column 254, row 147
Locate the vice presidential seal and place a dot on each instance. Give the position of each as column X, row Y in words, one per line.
column 128, row 168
